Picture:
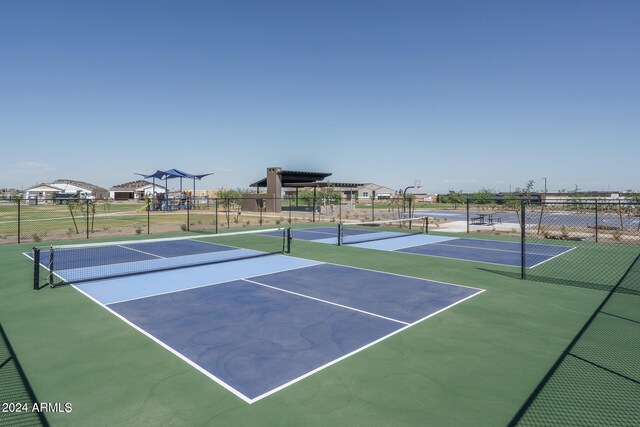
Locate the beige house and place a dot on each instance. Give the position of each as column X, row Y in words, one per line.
column 47, row 191
column 135, row 190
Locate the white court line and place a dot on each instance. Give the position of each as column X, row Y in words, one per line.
column 270, row 392
column 325, row 301
column 175, row 291
column 138, row 250
column 480, row 248
column 490, row 249
column 167, row 347
column 358, row 350
column 555, row 256
column 404, row 275
column 410, row 246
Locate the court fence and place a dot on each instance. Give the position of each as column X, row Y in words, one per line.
column 16, row 392
column 597, row 239
column 592, row 244
column 40, row 220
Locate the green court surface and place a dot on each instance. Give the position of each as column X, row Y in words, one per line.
column 474, row 364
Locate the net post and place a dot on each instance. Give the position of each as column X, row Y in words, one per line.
column 36, row 269
column 51, row 266
column 339, row 234
column 426, row 225
column 287, row 241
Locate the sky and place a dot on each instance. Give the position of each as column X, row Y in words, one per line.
column 461, row 95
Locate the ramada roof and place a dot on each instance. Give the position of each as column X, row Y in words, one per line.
column 134, row 185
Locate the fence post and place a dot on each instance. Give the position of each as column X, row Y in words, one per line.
column 467, row 216
column 149, row 218
column 523, row 245
column 188, row 219
column 373, row 205
column 87, row 215
column 596, row 220
column 19, row 219
column 289, row 210
column 313, row 208
column 216, row 215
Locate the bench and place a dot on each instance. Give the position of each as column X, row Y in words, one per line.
column 494, row 220
column 478, row 220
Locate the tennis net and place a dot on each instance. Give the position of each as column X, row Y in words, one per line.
column 57, row 265
column 359, row 232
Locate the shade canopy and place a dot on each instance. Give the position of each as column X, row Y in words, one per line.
column 174, row 173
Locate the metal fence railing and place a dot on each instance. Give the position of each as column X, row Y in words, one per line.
column 591, row 244
column 39, row 220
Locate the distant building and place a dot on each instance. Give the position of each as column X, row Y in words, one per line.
column 369, row 191
column 425, row 197
column 135, row 190
column 48, row 190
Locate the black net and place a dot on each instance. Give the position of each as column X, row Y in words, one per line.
column 359, row 232
column 56, row 265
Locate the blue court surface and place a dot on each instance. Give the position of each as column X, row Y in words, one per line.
column 258, row 325
column 478, row 250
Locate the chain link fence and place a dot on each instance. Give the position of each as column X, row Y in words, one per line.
column 596, row 381
column 39, row 220
column 592, row 244
column 15, row 391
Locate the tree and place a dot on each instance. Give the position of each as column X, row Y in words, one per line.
column 411, row 198
column 229, row 199
column 528, row 189
column 454, row 197
column 307, row 196
column 484, row 196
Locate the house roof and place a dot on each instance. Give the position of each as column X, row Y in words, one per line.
column 294, row 177
column 43, row 184
column 80, row 184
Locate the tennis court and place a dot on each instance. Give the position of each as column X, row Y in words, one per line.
column 250, row 322
column 231, row 329
column 398, row 235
